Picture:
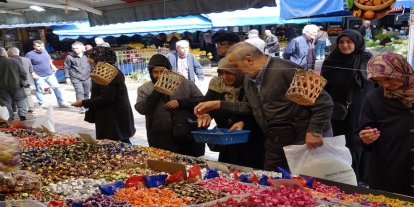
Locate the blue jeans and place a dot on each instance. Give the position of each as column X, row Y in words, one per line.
column 320, row 49
column 53, row 83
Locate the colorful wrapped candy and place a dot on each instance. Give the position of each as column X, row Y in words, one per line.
column 9, row 153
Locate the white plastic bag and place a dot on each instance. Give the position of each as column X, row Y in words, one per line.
column 4, row 113
column 332, row 161
column 45, row 120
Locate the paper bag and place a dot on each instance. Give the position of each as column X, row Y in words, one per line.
column 4, row 113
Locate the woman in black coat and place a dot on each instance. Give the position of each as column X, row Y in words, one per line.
column 109, row 106
column 387, row 123
column 228, row 86
column 345, row 71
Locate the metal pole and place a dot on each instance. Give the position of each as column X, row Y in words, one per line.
column 411, row 37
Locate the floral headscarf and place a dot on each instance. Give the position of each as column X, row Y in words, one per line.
column 231, row 92
column 391, row 65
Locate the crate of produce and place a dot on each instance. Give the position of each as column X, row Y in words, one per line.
column 221, row 136
column 21, row 203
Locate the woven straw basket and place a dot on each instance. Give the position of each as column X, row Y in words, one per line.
column 104, row 73
column 305, row 87
column 168, row 82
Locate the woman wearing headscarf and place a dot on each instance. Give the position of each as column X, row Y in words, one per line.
column 228, row 86
column 162, row 112
column 387, row 123
column 345, row 71
column 109, row 106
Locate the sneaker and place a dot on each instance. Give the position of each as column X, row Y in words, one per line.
column 64, row 105
column 44, row 106
column 23, row 118
column 82, row 110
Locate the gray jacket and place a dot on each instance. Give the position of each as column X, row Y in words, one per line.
column 194, row 67
column 270, row 106
column 12, row 74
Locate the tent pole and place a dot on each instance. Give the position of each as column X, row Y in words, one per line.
column 411, row 37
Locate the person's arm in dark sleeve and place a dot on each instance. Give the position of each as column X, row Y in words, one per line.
column 242, row 107
column 67, row 65
column 107, row 95
column 146, row 103
column 22, row 72
column 367, row 119
column 321, row 112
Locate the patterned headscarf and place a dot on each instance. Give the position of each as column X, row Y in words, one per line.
column 391, row 65
column 231, row 92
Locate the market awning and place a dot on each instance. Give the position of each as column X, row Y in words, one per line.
column 171, row 8
column 261, row 16
column 44, row 24
column 177, row 24
column 322, row 8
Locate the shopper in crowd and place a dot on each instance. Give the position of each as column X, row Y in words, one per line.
column 366, row 30
column 300, row 50
column 320, row 43
column 12, row 78
column 387, row 128
column 272, row 44
column 345, row 71
column 44, row 71
column 185, row 63
column 14, row 53
column 254, row 39
column 109, row 106
column 283, row 121
column 228, row 86
column 165, row 115
column 77, row 71
column 99, row 41
column 224, row 41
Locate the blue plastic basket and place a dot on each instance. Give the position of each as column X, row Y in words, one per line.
column 221, row 136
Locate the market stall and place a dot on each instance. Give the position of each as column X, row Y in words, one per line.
column 72, row 170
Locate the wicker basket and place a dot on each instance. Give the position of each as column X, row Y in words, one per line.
column 305, row 87
column 387, row 4
column 168, row 82
column 104, row 73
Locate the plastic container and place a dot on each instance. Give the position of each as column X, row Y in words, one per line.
column 221, row 136
column 21, row 203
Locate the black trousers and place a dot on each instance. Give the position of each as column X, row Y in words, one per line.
column 82, row 88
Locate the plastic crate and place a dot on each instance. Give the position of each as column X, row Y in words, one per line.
column 21, row 203
column 221, row 136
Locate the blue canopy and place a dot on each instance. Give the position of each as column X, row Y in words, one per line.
column 290, row 9
column 168, row 25
column 322, row 8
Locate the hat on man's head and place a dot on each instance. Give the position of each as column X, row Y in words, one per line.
column 253, row 31
column 227, row 37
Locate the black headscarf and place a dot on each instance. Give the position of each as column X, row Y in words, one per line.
column 158, row 60
column 102, row 54
column 338, row 59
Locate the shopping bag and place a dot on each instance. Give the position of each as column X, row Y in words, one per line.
column 328, row 42
column 4, row 113
column 331, row 161
column 45, row 120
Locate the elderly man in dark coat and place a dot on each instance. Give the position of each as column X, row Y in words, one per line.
column 12, row 77
column 283, row 121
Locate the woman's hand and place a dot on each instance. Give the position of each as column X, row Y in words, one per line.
column 77, row 103
column 368, row 135
column 204, row 120
column 173, row 104
column 204, row 107
column 313, row 140
column 237, row 126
